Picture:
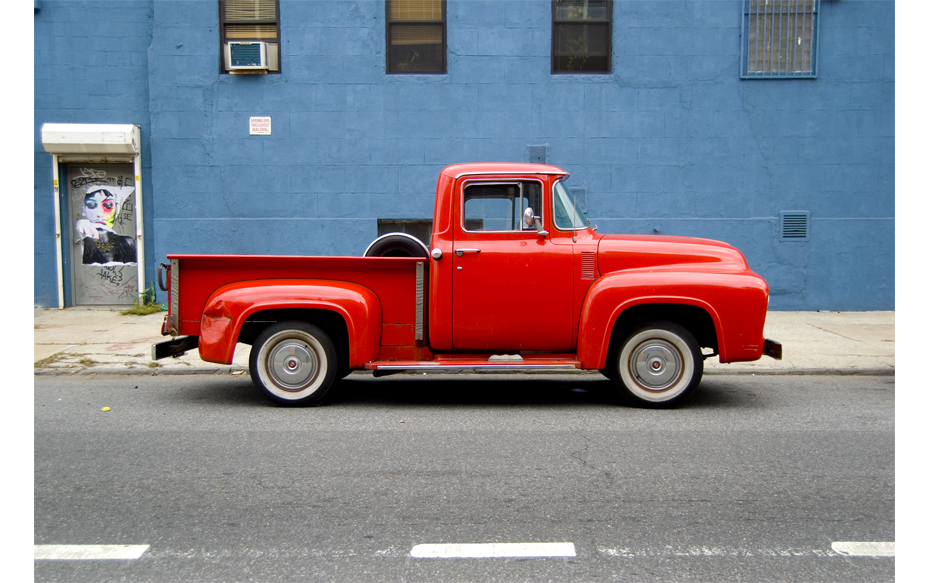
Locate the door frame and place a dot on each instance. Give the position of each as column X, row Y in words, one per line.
column 94, row 144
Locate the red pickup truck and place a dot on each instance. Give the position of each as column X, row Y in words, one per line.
column 515, row 278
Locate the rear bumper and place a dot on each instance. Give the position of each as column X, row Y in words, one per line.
column 772, row 348
column 174, row 347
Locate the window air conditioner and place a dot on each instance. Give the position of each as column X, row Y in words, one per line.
column 246, row 56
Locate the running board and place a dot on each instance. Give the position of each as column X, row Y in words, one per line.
column 386, row 368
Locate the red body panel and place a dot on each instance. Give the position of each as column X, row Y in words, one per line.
column 230, row 306
column 500, row 290
column 735, row 302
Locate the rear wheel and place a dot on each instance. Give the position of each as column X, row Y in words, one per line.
column 293, row 363
column 658, row 364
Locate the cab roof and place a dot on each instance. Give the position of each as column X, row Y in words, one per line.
column 457, row 170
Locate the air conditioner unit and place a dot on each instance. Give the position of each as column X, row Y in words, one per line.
column 246, row 56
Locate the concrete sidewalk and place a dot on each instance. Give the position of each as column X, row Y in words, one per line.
column 101, row 341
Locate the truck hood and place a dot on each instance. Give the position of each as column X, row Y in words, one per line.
column 661, row 252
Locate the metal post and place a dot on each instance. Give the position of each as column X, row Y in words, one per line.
column 140, row 244
column 58, row 257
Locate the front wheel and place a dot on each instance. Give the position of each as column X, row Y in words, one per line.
column 293, row 363
column 658, row 364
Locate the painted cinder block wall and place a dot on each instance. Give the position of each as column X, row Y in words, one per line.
column 672, row 141
column 90, row 66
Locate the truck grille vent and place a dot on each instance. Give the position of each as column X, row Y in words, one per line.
column 795, row 225
column 587, row 264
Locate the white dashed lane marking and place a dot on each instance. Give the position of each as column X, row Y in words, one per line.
column 87, row 552
column 864, row 549
column 493, row 551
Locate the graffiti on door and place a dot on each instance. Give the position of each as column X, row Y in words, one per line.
column 103, row 229
column 103, row 202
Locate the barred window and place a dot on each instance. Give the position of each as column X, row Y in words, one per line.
column 581, row 31
column 779, row 39
column 416, row 36
column 250, row 36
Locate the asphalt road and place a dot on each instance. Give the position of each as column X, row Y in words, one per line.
column 753, row 479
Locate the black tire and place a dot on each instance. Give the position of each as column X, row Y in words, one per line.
column 658, row 364
column 397, row 245
column 293, row 363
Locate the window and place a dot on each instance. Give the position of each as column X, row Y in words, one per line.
column 567, row 211
column 581, row 31
column 779, row 39
column 250, row 36
column 500, row 207
column 416, row 36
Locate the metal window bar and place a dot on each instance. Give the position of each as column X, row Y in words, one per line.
column 779, row 39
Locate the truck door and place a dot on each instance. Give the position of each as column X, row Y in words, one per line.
column 512, row 287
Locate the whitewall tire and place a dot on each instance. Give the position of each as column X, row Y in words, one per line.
column 658, row 364
column 293, row 363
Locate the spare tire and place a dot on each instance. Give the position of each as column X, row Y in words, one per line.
column 397, row 245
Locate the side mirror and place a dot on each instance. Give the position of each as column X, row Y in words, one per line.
column 530, row 219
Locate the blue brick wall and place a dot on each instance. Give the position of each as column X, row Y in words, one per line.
column 91, row 66
column 671, row 141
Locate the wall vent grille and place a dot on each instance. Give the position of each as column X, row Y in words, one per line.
column 795, row 225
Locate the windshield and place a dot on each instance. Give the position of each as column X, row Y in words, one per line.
column 567, row 214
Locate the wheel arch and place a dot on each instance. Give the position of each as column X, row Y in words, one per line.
column 694, row 318
column 348, row 312
column 331, row 322
column 615, row 303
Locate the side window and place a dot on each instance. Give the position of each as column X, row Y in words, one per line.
column 250, row 36
column 416, row 36
column 500, row 206
column 566, row 210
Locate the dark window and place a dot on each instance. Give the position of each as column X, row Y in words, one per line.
column 779, row 39
column 422, row 229
column 416, row 36
column 249, row 36
column 581, row 31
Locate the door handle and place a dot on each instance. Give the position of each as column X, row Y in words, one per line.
column 460, row 252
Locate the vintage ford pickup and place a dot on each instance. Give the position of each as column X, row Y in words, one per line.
column 515, row 278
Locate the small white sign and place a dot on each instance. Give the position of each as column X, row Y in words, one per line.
column 260, row 126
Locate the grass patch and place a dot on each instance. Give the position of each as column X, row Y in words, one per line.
column 144, row 304
column 49, row 360
column 87, row 361
column 142, row 310
column 154, row 365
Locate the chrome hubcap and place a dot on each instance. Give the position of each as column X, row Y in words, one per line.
column 293, row 364
column 656, row 365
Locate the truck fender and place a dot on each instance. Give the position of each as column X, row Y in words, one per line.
column 612, row 294
column 230, row 306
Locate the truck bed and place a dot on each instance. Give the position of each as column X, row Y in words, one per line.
column 392, row 279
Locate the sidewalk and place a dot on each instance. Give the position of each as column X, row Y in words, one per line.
column 101, row 341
